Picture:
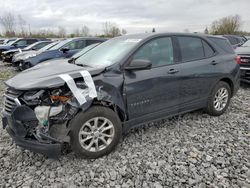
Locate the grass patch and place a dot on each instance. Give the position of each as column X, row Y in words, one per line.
column 6, row 75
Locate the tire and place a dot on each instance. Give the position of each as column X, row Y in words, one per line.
column 84, row 122
column 211, row 105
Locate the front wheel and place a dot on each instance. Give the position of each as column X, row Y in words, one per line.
column 219, row 99
column 95, row 133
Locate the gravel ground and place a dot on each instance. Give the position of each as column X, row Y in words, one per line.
column 193, row 150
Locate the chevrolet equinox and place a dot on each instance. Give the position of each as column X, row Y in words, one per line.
column 121, row 83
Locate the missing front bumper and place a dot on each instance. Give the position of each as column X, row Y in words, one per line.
column 15, row 126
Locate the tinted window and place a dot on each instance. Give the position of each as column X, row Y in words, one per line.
column 89, row 42
column 191, row 48
column 21, row 43
column 223, row 44
column 77, row 44
column 232, row 40
column 41, row 45
column 158, row 51
column 31, row 41
column 207, row 49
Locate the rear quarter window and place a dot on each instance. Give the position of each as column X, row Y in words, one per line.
column 222, row 44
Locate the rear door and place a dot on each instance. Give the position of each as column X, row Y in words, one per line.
column 154, row 91
column 198, row 71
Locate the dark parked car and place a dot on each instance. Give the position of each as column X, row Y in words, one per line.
column 8, row 55
column 235, row 40
column 244, row 61
column 121, row 83
column 2, row 41
column 65, row 49
column 18, row 43
column 20, row 57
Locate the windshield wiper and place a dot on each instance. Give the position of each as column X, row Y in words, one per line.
column 83, row 65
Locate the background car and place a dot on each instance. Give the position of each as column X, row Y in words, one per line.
column 235, row 40
column 8, row 55
column 19, row 57
column 66, row 49
column 244, row 61
column 19, row 43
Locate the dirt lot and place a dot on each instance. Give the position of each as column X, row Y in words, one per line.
column 191, row 150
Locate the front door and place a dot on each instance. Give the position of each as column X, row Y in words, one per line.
column 157, row 89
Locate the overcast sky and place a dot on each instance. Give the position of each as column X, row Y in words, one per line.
column 133, row 15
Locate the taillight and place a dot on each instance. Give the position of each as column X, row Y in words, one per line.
column 238, row 60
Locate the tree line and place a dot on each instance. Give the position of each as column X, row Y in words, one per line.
column 16, row 26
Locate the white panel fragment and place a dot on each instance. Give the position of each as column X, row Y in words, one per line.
column 72, row 86
column 90, row 83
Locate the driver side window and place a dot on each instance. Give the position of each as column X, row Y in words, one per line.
column 158, row 51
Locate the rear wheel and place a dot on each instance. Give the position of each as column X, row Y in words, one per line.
column 219, row 99
column 95, row 133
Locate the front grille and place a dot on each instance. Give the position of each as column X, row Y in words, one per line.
column 11, row 99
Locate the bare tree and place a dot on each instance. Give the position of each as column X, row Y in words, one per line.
column 111, row 29
column 21, row 24
column 7, row 20
column 226, row 25
column 85, row 31
column 124, row 32
column 61, row 32
column 76, row 32
column 206, row 31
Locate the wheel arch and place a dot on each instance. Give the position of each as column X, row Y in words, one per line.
column 229, row 82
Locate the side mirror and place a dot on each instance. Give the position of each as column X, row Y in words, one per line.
column 34, row 48
column 64, row 50
column 71, row 60
column 14, row 45
column 139, row 64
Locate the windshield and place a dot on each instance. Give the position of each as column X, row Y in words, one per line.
column 49, row 46
column 84, row 50
column 246, row 44
column 12, row 42
column 60, row 44
column 107, row 53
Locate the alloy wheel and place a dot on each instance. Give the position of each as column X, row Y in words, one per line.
column 96, row 134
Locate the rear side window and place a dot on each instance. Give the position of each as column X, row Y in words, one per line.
column 223, row 44
column 191, row 48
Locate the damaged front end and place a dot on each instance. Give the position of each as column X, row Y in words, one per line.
column 38, row 120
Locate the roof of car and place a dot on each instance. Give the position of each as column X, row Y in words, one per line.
column 147, row 35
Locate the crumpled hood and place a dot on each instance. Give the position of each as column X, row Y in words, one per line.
column 46, row 75
column 242, row 50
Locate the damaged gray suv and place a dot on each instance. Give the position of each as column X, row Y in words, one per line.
column 120, row 84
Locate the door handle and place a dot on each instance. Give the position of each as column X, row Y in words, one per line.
column 172, row 71
column 214, row 62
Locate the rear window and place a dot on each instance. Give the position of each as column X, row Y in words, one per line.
column 223, row 44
